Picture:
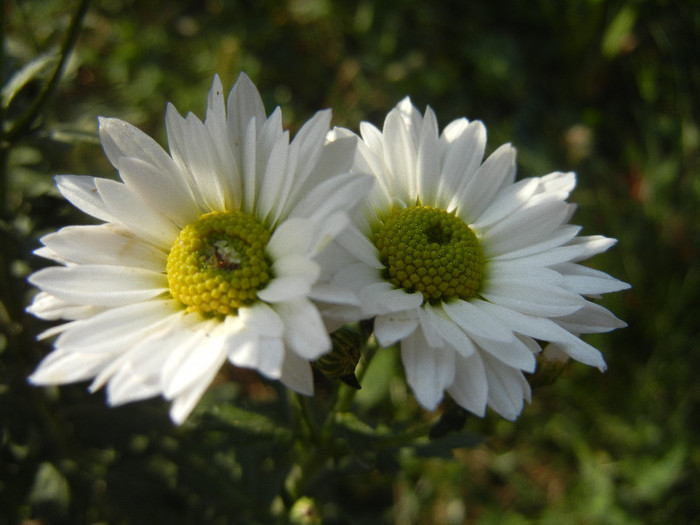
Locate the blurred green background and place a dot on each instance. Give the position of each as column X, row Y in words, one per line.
column 608, row 89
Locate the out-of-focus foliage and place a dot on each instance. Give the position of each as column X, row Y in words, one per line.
column 606, row 88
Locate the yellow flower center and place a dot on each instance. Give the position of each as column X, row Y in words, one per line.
column 430, row 251
column 218, row 263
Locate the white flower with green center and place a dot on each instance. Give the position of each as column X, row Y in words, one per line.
column 468, row 269
column 205, row 254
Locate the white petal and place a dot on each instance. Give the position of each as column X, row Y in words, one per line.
column 360, row 246
column 340, row 192
column 383, row 298
column 184, row 403
column 507, row 389
column 356, row 276
column 591, row 319
column 551, row 249
column 249, row 167
column 395, row 326
column 275, row 181
column 46, row 306
column 559, row 183
column 100, row 285
column 548, row 330
column 509, row 200
column 531, row 224
column 201, row 363
column 297, row 374
column 588, row 281
column 120, row 139
column 464, row 145
column 262, row 320
column 428, row 160
column 217, row 125
column 515, row 353
column 63, row 366
column 428, row 373
column 535, row 298
column 195, row 151
column 477, row 321
column 243, row 105
column 336, row 157
column 119, row 328
column 400, row 154
column 304, row 330
column 475, row 194
column 294, row 276
column 333, row 294
column 447, row 330
column 292, row 236
column 309, row 153
column 104, row 244
column 81, row 192
column 165, row 192
column 136, row 215
column 470, row 387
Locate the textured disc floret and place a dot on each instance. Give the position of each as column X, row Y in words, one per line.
column 431, row 251
column 218, row 263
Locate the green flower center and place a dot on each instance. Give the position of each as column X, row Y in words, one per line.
column 430, row 251
column 218, row 263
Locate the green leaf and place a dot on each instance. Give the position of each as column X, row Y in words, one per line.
column 36, row 68
column 246, row 421
column 50, row 491
column 618, row 33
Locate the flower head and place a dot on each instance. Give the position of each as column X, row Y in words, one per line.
column 466, row 268
column 206, row 253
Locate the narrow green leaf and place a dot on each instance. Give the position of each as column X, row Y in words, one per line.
column 36, row 68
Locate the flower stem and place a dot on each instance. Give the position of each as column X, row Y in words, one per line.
column 26, row 120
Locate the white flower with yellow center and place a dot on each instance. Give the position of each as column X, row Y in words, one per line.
column 205, row 254
column 466, row 268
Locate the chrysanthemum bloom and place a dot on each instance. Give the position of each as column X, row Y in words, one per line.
column 466, row 268
column 205, row 254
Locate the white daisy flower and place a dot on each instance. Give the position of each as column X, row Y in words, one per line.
column 466, row 268
column 206, row 254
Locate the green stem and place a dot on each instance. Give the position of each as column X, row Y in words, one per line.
column 3, row 146
column 27, row 119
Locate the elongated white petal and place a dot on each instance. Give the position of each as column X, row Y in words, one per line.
column 428, row 159
column 476, row 321
column 104, row 244
column 383, row 298
column 471, row 387
column 165, row 192
column 63, row 366
column 122, row 140
column 51, row 308
column 297, row 374
column 81, row 192
column 100, row 285
column 131, row 211
column 118, row 328
column 507, row 388
column 427, row 373
column 588, row 281
column 202, row 361
column 475, row 194
column 293, row 236
column 395, row 326
column 295, row 275
column 305, row 332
